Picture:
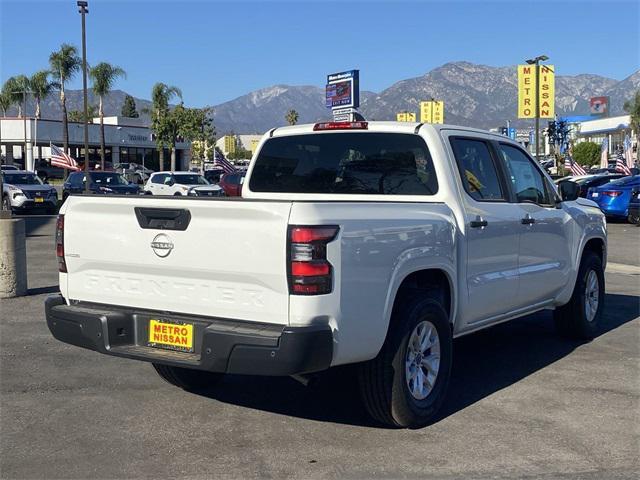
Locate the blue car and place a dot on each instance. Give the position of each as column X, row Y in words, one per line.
column 101, row 182
column 613, row 197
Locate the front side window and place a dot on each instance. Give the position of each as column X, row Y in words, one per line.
column 347, row 163
column 477, row 169
column 159, row 179
column 528, row 183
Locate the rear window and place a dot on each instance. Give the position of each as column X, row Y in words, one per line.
column 350, row 163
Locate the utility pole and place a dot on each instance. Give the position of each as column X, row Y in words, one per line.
column 536, row 61
column 82, row 8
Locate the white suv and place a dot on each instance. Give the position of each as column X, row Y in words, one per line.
column 181, row 183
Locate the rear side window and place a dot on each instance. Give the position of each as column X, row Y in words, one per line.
column 349, row 163
column 76, row 179
column 477, row 169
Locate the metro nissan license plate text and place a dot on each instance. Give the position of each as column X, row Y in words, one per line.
column 170, row 335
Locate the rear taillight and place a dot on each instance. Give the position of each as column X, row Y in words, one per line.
column 62, row 266
column 309, row 271
column 612, row 193
column 340, row 126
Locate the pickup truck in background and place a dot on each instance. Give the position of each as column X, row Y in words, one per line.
column 367, row 243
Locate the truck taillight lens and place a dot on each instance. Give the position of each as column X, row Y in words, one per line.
column 62, row 266
column 309, row 271
column 318, row 127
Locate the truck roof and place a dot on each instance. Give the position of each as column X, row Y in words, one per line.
column 380, row 126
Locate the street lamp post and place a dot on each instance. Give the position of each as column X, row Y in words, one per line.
column 536, row 61
column 82, row 8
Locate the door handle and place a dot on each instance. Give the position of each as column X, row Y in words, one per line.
column 479, row 222
column 528, row 220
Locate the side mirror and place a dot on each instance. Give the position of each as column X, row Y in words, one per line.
column 569, row 191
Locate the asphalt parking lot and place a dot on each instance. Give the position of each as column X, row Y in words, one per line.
column 522, row 403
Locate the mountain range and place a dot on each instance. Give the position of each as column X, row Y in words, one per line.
column 475, row 95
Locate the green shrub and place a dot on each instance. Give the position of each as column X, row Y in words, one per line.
column 587, row 154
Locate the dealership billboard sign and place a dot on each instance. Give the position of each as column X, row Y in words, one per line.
column 527, row 100
column 599, row 106
column 343, row 90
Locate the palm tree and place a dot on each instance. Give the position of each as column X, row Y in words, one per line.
column 632, row 106
column 291, row 117
column 103, row 76
column 17, row 89
column 161, row 95
column 41, row 88
column 64, row 63
column 5, row 100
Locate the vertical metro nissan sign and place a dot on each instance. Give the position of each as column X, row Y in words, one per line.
column 527, row 91
column 342, row 94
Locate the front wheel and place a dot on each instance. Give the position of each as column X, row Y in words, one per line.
column 187, row 378
column 405, row 385
column 581, row 317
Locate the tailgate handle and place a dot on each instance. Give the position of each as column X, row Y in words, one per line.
column 163, row 218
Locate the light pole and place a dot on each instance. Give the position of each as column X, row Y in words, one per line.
column 82, row 8
column 536, row 61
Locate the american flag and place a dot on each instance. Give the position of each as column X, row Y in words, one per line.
column 604, row 154
column 621, row 166
column 220, row 161
column 60, row 159
column 628, row 151
column 575, row 168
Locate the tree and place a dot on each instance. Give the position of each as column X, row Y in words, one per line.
column 587, row 153
column 195, row 124
column 129, row 108
column 291, row 117
column 161, row 123
column 103, row 76
column 17, row 89
column 5, row 102
column 41, row 88
column 64, row 64
column 632, row 107
column 77, row 116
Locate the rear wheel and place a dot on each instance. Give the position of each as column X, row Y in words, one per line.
column 581, row 317
column 405, row 385
column 187, row 378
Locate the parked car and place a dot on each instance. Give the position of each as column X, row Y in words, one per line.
column 134, row 172
column 585, row 182
column 613, row 197
column 634, row 207
column 100, row 182
column 231, row 183
column 45, row 170
column 364, row 243
column 181, row 183
column 23, row 191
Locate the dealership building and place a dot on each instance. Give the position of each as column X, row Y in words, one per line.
column 126, row 140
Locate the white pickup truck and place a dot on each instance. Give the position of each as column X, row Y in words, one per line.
column 369, row 243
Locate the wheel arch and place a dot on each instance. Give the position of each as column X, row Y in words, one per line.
column 431, row 279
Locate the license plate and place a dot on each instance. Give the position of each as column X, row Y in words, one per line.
column 39, row 199
column 171, row 335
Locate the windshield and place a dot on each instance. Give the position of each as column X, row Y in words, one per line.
column 191, row 179
column 351, row 163
column 108, row 178
column 21, row 178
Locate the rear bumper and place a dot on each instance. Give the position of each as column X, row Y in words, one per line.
column 221, row 345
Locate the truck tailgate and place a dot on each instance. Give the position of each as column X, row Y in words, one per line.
column 229, row 261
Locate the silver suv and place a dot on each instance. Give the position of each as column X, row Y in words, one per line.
column 22, row 190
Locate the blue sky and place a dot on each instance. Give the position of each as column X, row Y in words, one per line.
column 216, row 51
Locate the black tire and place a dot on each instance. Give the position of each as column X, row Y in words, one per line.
column 571, row 319
column 177, row 194
column 187, row 378
column 383, row 383
column 6, row 204
column 148, row 192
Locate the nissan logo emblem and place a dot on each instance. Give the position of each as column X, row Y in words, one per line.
column 161, row 245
